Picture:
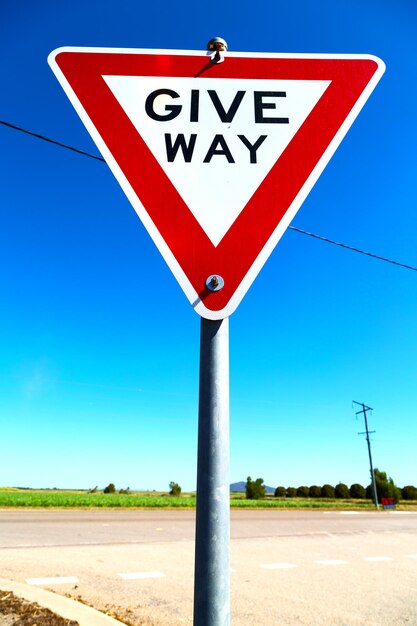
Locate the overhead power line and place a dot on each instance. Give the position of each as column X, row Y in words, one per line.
column 49, row 140
column 298, row 230
column 344, row 245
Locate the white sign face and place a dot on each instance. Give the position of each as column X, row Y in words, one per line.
column 215, row 158
column 216, row 140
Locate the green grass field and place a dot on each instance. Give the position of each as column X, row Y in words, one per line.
column 78, row 499
column 61, row 499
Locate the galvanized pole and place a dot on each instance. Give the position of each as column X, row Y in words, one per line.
column 212, row 531
column 212, row 549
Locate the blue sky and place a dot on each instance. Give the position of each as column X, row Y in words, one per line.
column 99, row 346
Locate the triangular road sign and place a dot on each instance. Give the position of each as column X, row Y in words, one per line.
column 216, row 158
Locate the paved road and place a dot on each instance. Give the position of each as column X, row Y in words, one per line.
column 305, row 567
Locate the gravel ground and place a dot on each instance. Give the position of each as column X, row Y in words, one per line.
column 15, row 611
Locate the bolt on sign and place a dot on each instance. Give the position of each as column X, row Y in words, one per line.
column 215, row 157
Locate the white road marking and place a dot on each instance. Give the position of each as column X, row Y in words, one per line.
column 140, row 575
column 52, row 545
column 332, row 562
column 278, row 565
column 402, row 512
column 350, row 512
column 378, row 558
column 57, row 580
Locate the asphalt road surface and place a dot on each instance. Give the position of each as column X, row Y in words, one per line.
column 298, row 568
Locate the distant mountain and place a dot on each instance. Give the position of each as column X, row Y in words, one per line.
column 241, row 487
column 238, row 487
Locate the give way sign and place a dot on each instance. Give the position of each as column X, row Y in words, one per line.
column 216, row 158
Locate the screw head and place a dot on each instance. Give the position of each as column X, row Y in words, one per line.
column 214, row 282
column 217, row 43
column 218, row 46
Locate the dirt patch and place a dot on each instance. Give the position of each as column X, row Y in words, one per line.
column 123, row 615
column 15, row 611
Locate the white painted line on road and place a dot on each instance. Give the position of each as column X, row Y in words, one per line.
column 278, row 565
column 140, row 575
column 332, row 562
column 57, row 580
column 350, row 512
column 378, row 558
column 343, row 512
column 52, row 545
column 402, row 512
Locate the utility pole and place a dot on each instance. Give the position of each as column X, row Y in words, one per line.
column 367, row 433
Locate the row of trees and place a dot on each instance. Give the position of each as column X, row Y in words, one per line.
column 174, row 489
column 256, row 490
column 386, row 488
column 111, row 488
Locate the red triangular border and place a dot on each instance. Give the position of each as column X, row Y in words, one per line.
column 235, row 255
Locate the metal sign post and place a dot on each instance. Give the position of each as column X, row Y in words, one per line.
column 212, row 549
